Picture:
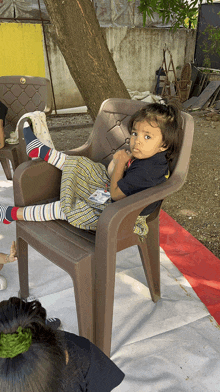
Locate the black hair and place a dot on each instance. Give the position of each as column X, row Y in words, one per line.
column 168, row 119
column 39, row 369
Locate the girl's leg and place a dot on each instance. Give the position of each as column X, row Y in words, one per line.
column 36, row 149
column 38, row 213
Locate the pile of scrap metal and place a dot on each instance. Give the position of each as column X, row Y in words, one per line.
column 195, row 89
column 167, row 84
column 205, row 90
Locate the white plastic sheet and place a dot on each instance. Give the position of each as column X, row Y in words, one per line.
column 171, row 346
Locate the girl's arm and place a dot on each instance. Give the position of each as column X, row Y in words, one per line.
column 111, row 165
column 2, row 138
column 120, row 159
column 4, row 259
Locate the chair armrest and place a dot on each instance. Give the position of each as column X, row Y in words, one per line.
column 36, row 182
column 128, row 209
column 84, row 150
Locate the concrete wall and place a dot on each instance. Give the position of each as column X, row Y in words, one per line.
column 66, row 92
column 137, row 53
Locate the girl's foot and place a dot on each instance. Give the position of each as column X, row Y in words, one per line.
column 38, row 213
column 8, row 214
column 34, row 148
column 3, row 283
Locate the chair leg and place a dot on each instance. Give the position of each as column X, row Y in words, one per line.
column 104, row 291
column 150, row 257
column 6, row 167
column 22, row 248
column 14, row 161
column 83, row 282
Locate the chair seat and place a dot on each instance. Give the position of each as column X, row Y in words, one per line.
column 58, row 238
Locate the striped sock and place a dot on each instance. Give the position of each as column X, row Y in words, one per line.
column 34, row 148
column 44, row 212
column 57, row 158
column 8, row 214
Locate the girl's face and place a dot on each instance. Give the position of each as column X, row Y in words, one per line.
column 145, row 140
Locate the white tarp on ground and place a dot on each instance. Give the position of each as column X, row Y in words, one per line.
column 171, row 346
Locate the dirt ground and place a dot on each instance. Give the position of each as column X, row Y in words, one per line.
column 196, row 206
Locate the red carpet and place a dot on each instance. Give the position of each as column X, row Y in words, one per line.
column 199, row 266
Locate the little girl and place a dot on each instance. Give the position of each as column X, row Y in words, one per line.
column 88, row 187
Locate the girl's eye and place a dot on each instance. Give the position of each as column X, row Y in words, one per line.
column 147, row 137
column 133, row 133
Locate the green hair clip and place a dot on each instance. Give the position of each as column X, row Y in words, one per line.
column 14, row 344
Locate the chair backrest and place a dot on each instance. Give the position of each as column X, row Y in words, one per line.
column 23, row 94
column 110, row 132
column 179, row 166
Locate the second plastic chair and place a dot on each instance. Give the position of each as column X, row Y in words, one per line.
column 21, row 94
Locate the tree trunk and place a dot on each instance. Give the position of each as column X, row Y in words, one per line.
column 84, row 48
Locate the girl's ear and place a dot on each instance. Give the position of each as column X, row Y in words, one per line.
column 163, row 148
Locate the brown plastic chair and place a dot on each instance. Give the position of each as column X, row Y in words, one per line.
column 21, row 94
column 90, row 257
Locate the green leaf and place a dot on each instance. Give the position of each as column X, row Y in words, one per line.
column 179, row 10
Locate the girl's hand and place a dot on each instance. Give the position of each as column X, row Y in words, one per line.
column 13, row 253
column 122, row 156
column 120, row 159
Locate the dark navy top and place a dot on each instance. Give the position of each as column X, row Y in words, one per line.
column 88, row 368
column 143, row 174
column 3, row 112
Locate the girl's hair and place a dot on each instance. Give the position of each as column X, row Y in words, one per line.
column 168, row 119
column 40, row 368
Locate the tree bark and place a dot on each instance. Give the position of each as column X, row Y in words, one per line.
column 84, row 48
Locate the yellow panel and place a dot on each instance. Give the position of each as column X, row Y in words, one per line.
column 21, row 48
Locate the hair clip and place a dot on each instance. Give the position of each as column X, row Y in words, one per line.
column 162, row 102
column 14, row 344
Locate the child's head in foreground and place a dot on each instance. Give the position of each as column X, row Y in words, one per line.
column 155, row 128
column 32, row 357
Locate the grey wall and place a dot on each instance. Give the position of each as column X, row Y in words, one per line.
column 137, row 53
